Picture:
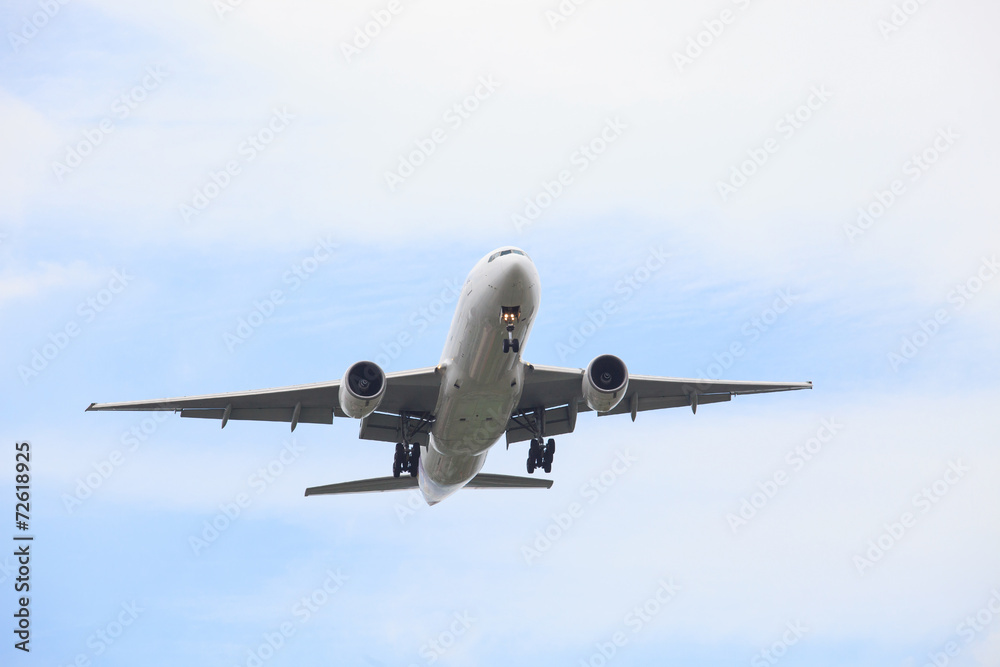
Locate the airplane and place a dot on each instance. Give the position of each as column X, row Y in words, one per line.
column 444, row 419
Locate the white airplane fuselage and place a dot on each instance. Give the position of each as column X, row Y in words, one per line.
column 480, row 382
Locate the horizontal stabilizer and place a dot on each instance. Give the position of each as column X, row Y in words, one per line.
column 485, row 480
column 365, row 486
column 480, row 481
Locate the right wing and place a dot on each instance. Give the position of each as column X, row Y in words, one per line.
column 555, row 394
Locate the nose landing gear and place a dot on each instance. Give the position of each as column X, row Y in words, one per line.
column 511, row 344
column 509, row 315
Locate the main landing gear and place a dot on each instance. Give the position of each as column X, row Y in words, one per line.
column 407, row 459
column 540, row 456
column 540, row 451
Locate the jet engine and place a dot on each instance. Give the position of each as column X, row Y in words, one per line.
column 605, row 382
column 362, row 389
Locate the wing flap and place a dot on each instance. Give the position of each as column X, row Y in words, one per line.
column 558, row 421
column 306, row 415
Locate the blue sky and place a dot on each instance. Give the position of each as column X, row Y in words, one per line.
column 166, row 172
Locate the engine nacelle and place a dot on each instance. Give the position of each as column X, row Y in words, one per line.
column 605, row 382
column 362, row 389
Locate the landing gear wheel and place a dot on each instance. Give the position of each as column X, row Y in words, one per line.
column 396, row 469
column 506, row 346
column 413, row 464
column 548, row 454
column 515, row 345
column 534, row 451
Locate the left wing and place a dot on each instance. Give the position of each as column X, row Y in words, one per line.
column 406, row 392
column 555, row 395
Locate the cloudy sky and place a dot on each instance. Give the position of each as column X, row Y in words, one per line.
column 218, row 196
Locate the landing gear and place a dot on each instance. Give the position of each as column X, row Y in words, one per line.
column 534, row 452
column 407, row 459
column 540, row 456
column 510, row 315
column 413, row 460
column 407, row 456
column 540, row 451
column 399, row 459
column 548, row 454
column 511, row 344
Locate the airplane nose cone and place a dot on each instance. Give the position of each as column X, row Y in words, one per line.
column 517, row 272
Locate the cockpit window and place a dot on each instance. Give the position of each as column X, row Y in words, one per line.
column 500, row 253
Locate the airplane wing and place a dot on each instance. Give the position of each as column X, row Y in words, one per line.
column 555, row 394
column 407, row 393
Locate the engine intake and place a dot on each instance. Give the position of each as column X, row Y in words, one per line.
column 362, row 389
column 605, row 382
